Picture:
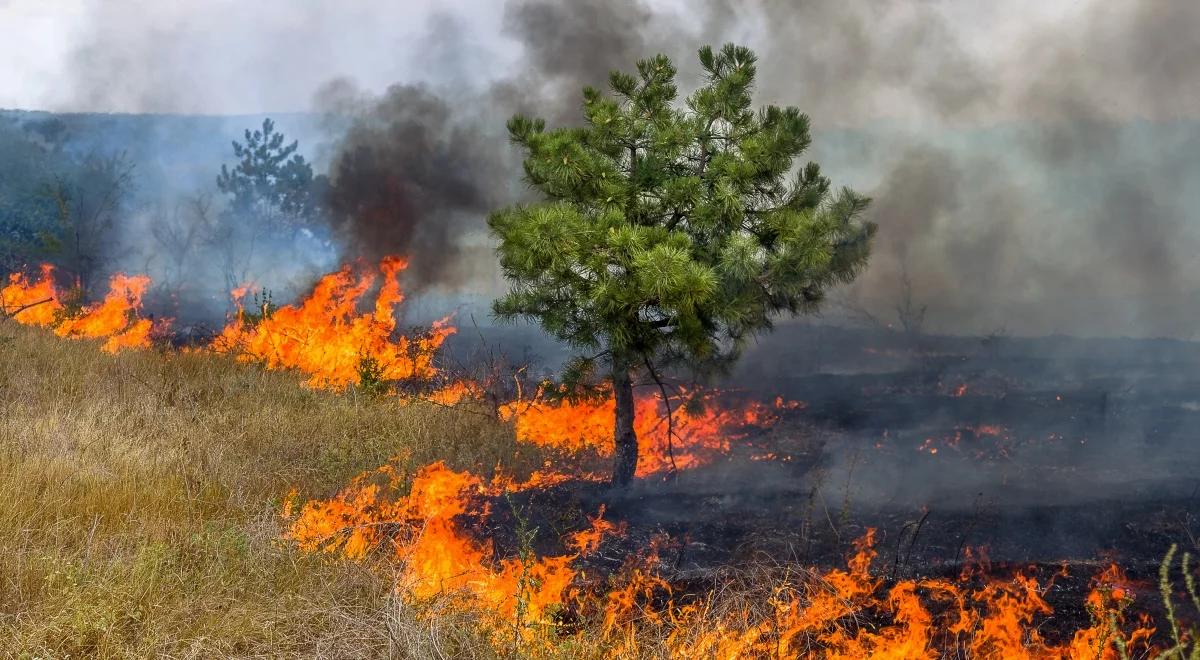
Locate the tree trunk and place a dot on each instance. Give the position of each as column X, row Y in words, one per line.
column 625, row 441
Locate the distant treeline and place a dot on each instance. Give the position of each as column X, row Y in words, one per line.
column 170, row 155
column 98, row 193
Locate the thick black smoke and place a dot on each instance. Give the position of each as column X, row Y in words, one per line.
column 418, row 168
column 569, row 45
column 410, row 176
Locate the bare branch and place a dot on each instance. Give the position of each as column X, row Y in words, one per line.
column 5, row 314
column 670, row 415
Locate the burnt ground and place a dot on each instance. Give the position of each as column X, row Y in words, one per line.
column 1036, row 453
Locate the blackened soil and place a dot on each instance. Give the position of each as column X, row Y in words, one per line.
column 1029, row 454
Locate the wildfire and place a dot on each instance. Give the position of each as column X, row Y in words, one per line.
column 31, row 303
column 696, row 435
column 439, row 557
column 431, row 531
column 928, row 619
column 326, row 337
column 840, row 613
column 114, row 319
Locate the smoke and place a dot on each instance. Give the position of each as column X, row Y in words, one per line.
column 419, row 166
column 569, row 46
column 411, row 177
column 220, row 57
column 1035, row 186
column 1030, row 166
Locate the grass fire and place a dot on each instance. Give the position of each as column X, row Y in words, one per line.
column 544, row 338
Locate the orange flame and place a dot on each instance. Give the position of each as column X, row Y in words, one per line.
column 697, row 437
column 326, row 337
column 820, row 615
column 438, row 555
column 114, row 319
column 31, row 303
column 997, row 620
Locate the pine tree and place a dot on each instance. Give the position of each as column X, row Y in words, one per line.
column 271, row 182
column 671, row 233
column 273, row 198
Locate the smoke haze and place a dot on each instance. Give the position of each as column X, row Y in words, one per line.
column 1030, row 164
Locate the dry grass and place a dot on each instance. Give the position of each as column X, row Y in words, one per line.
column 139, row 517
column 139, row 499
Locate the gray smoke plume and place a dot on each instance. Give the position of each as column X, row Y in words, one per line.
column 1031, row 168
column 1036, row 190
column 1077, row 221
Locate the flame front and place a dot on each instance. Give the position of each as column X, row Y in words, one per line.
column 116, row 319
column 431, row 533
column 439, row 557
column 840, row 613
column 692, row 439
column 327, row 338
column 31, row 303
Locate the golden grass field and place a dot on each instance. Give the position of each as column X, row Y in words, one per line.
column 140, row 497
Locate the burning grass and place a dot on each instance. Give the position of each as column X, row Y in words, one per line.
column 191, row 504
column 327, row 338
column 703, row 427
column 544, row 604
column 115, row 319
column 140, row 493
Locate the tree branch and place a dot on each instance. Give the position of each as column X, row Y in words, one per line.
column 5, row 314
column 670, row 416
column 676, row 217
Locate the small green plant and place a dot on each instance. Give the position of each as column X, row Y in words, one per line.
column 1107, row 616
column 525, row 536
column 72, row 301
column 371, row 379
column 1187, row 642
column 578, row 382
column 527, row 583
column 264, row 308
